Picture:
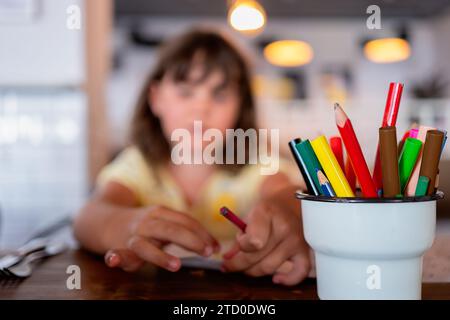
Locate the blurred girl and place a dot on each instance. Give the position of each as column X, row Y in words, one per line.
column 143, row 201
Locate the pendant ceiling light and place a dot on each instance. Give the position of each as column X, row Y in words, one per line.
column 288, row 53
column 247, row 16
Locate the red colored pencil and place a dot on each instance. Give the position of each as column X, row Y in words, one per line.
column 227, row 213
column 350, row 174
column 355, row 153
column 336, row 147
column 389, row 119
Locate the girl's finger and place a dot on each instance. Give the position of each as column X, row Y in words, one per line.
column 124, row 259
column 232, row 251
column 244, row 260
column 148, row 252
column 190, row 223
column 273, row 261
column 298, row 272
column 167, row 231
column 258, row 230
column 286, row 267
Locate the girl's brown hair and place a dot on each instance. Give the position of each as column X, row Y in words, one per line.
column 176, row 60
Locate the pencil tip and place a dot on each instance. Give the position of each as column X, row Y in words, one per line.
column 320, row 176
column 340, row 115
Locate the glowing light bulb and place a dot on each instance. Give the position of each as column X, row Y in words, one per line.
column 247, row 16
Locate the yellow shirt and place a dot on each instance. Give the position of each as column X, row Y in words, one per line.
column 155, row 186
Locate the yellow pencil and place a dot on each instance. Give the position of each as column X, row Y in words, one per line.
column 331, row 167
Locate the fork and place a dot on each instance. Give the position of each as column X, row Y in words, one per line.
column 24, row 268
column 15, row 257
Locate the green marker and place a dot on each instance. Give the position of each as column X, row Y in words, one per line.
column 407, row 160
column 312, row 163
column 422, row 186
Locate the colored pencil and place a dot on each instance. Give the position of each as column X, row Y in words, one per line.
column 311, row 161
column 227, row 213
column 336, row 146
column 325, row 184
column 350, row 174
column 331, row 167
column 355, row 153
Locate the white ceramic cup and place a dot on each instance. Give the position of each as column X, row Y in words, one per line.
column 369, row 248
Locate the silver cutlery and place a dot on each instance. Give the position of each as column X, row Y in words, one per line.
column 16, row 256
column 24, row 268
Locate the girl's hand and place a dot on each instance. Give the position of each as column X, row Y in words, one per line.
column 154, row 227
column 273, row 243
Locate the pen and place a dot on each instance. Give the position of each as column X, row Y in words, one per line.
column 430, row 158
column 407, row 161
column 410, row 190
column 389, row 161
column 422, row 186
column 389, row 120
column 302, row 165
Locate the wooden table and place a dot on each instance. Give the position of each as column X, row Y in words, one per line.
column 99, row 282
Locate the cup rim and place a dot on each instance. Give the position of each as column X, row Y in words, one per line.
column 308, row 197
